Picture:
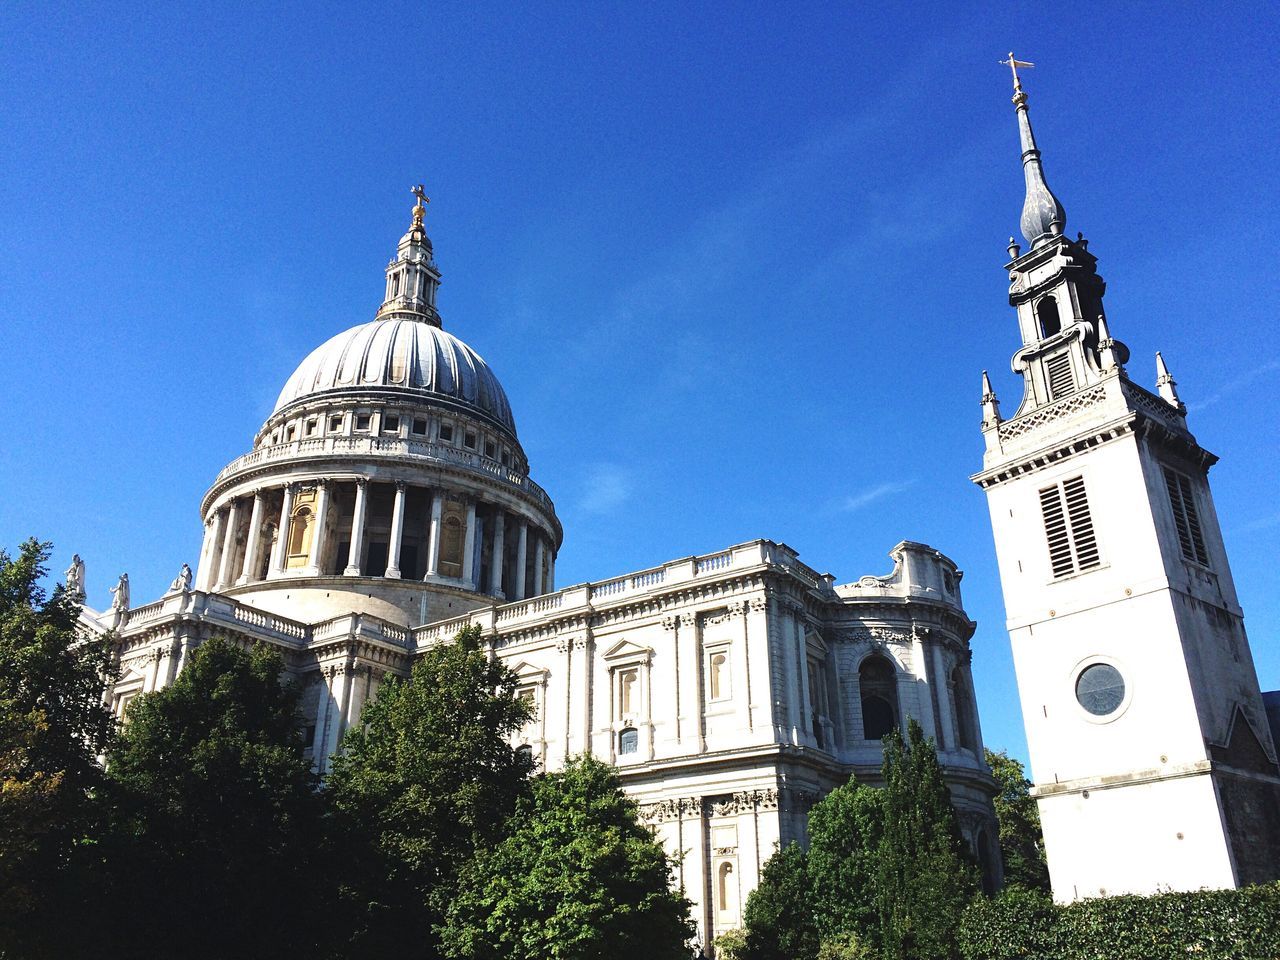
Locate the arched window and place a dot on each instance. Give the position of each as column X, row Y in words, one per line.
column 524, row 753
column 627, row 693
column 628, row 740
column 726, row 889
column 878, row 682
column 967, row 729
column 1047, row 314
column 718, row 675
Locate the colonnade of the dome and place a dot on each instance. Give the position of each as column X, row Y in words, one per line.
column 357, row 527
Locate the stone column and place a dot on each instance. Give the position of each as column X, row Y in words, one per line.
column 469, row 545
column 924, row 684
column 539, row 574
column 229, row 545
column 551, row 570
column 946, row 713
column 281, row 555
column 496, row 558
column 254, row 540
column 522, row 555
column 433, row 543
column 322, row 521
column 482, row 532
column 213, row 536
column 806, row 701
column 397, row 533
column 355, row 556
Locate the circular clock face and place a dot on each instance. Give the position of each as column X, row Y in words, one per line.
column 1100, row 689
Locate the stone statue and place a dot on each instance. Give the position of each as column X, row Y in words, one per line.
column 75, row 577
column 182, row 582
column 120, row 594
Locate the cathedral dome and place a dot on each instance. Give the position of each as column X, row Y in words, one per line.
column 400, row 354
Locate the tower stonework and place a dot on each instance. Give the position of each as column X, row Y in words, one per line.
column 1153, row 762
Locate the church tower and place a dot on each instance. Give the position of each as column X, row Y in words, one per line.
column 1153, row 762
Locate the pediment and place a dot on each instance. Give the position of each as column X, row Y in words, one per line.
column 528, row 671
column 628, row 650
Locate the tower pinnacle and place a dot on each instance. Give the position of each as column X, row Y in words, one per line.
column 412, row 275
column 1042, row 214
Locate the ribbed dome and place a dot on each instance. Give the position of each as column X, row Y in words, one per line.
column 404, row 354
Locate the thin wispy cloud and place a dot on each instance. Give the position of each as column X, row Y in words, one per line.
column 870, row 495
column 1236, row 385
column 606, row 487
column 1261, row 523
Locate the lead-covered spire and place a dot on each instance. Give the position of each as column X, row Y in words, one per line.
column 412, row 276
column 1042, row 214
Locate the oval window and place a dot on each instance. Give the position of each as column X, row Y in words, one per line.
column 1100, row 689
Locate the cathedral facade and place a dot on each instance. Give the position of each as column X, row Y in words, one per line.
column 386, row 503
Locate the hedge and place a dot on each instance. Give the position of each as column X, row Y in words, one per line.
column 1228, row 924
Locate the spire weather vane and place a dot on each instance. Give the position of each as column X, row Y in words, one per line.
column 1013, row 66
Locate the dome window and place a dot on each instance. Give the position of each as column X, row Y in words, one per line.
column 335, row 423
column 311, row 427
column 446, row 433
column 490, row 449
column 391, row 424
column 362, row 421
column 420, row 426
column 288, row 434
column 469, row 441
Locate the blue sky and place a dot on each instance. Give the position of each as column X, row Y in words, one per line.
column 737, row 266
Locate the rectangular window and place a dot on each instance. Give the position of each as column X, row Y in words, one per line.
column 1186, row 517
column 446, row 433
column 362, row 421
column 490, row 449
column 420, row 426
column 628, row 695
column 469, row 440
column 1058, row 371
column 311, row 427
column 288, row 434
column 391, row 424
column 1068, row 526
column 335, row 424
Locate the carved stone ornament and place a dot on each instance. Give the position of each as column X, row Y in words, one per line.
column 759, row 604
column 674, row 809
column 669, row 623
column 874, row 635
column 744, row 802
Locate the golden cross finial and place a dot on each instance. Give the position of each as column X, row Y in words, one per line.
column 420, row 208
column 1013, row 66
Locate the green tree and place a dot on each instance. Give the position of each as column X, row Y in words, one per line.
column 1021, row 842
column 426, row 780
column 215, row 846
column 52, row 726
column 845, row 831
column 926, row 877
column 576, row 878
column 779, row 916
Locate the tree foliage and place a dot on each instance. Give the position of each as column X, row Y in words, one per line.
column 886, row 874
column 779, row 915
column 845, row 832
column 52, row 726
column 576, row 877
column 926, row 877
column 1021, row 842
column 214, row 846
column 426, row 780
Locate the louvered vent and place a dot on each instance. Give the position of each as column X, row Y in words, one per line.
column 1186, row 517
column 1068, row 527
column 1058, row 370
